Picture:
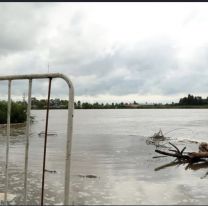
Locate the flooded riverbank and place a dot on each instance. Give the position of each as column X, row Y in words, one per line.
column 111, row 161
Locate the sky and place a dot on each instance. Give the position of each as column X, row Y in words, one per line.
column 112, row 52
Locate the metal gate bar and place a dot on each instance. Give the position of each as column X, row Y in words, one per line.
column 8, row 138
column 69, row 129
column 27, row 139
column 45, row 142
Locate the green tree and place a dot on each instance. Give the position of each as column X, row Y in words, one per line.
column 78, row 105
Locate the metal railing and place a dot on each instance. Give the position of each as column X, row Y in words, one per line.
column 69, row 130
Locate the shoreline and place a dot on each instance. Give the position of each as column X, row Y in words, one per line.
column 131, row 108
column 13, row 125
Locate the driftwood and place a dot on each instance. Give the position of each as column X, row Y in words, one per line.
column 189, row 156
column 171, row 164
column 191, row 160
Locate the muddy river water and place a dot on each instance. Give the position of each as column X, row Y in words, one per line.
column 111, row 160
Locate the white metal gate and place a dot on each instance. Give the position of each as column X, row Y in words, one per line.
column 30, row 78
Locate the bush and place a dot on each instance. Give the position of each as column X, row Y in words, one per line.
column 18, row 112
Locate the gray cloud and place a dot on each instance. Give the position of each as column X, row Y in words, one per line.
column 20, row 26
column 35, row 34
column 154, row 69
column 138, row 70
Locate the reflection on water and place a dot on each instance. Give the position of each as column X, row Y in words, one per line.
column 111, row 162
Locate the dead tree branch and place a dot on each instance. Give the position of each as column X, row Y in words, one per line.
column 190, row 157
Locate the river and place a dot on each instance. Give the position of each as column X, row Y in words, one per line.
column 112, row 146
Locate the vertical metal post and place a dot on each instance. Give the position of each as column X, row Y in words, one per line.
column 45, row 142
column 27, row 139
column 7, row 141
column 68, row 146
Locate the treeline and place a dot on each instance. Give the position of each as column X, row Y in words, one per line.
column 63, row 104
column 188, row 101
column 193, row 100
column 185, row 102
column 19, row 113
column 54, row 103
column 96, row 105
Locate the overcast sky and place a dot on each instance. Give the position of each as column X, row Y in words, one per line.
column 154, row 52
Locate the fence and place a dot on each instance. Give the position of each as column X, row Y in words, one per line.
column 68, row 138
